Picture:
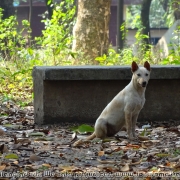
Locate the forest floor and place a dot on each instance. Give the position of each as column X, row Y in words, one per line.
column 29, row 151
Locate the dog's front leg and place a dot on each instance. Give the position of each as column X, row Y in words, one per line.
column 134, row 120
column 128, row 119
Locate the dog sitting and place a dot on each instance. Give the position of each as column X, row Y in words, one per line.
column 125, row 107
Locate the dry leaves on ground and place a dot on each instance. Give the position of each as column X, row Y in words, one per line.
column 45, row 152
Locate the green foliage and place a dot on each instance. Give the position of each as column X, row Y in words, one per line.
column 12, row 40
column 126, row 55
column 157, row 17
column 110, row 59
column 176, row 152
column 18, row 59
column 84, row 128
column 11, row 156
column 57, row 36
column 124, row 31
column 174, row 55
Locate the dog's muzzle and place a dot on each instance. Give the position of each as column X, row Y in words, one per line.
column 144, row 84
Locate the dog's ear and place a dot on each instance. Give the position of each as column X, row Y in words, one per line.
column 134, row 67
column 147, row 66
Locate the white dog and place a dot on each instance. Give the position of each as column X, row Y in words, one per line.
column 125, row 107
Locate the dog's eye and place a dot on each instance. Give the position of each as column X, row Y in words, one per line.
column 146, row 74
column 139, row 75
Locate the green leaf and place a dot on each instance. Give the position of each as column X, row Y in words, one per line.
column 56, row 51
column 143, row 133
column 37, row 134
column 44, row 139
column 11, row 156
column 83, row 129
column 30, row 51
column 162, row 155
column 13, row 126
column 49, row 2
column 74, row 128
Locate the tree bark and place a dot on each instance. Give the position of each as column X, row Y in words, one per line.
column 30, row 20
column 91, row 31
column 145, row 19
column 176, row 7
column 49, row 8
column 165, row 4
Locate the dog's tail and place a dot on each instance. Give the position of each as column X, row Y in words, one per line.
column 80, row 141
column 92, row 136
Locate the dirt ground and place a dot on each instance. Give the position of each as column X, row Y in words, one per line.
column 29, row 151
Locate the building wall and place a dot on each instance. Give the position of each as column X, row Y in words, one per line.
column 113, row 26
column 37, row 26
column 155, row 33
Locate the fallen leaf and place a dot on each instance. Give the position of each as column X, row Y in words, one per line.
column 44, row 139
column 2, row 133
column 107, row 161
column 133, row 146
column 47, row 165
column 67, row 168
column 74, row 136
column 177, row 165
column 168, row 164
column 136, row 161
column 13, row 126
column 11, row 156
column 36, row 134
column 174, row 159
column 82, row 129
column 147, row 144
column 3, row 148
column 23, row 141
column 143, row 138
column 162, row 155
column 100, row 153
column 34, row 157
column 2, row 167
column 125, row 168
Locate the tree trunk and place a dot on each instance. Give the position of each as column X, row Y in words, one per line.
column 165, row 4
column 145, row 19
column 30, row 20
column 176, row 7
column 50, row 7
column 91, row 31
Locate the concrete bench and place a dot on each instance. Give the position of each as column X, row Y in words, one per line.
column 80, row 93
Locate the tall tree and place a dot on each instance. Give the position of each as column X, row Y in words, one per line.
column 7, row 5
column 30, row 19
column 164, row 4
column 145, row 9
column 49, row 5
column 176, row 7
column 91, row 31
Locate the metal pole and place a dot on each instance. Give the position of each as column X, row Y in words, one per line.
column 120, row 9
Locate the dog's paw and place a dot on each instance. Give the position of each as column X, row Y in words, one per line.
column 78, row 143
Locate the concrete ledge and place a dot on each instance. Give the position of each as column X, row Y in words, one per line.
column 102, row 72
column 80, row 93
